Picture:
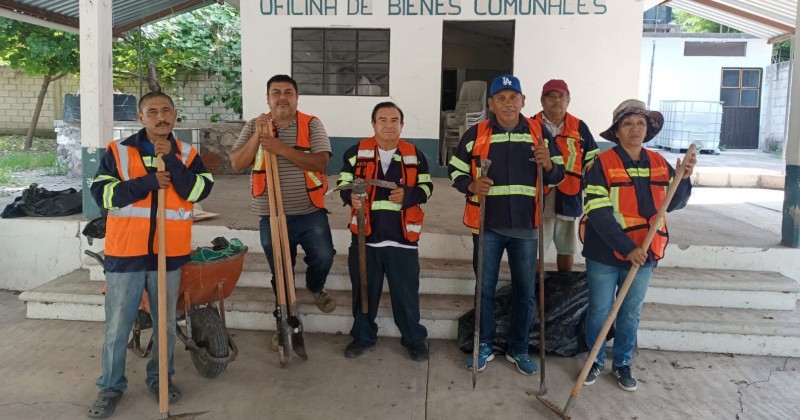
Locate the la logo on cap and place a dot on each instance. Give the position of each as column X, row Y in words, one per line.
column 506, row 81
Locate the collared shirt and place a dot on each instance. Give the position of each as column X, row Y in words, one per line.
column 549, row 208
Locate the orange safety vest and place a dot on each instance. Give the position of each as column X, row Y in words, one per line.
column 128, row 228
column 626, row 208
column 316, row 182
column 480, row 151
column 366, row 167
column 569, row 143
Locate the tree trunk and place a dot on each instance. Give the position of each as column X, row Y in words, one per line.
column 38, row 110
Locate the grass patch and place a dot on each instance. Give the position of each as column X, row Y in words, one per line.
column 22, row 161
column 16, row 143
column 13, row 159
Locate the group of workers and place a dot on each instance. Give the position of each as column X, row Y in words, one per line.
column 615, row 194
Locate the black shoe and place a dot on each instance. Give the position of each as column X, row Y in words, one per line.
column 354, row 350
column 594, row 372
column 624, row 377
column 419, row 351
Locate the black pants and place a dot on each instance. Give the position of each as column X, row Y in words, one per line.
column 401, row 268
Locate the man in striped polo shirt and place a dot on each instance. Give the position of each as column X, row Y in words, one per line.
column 303, row 148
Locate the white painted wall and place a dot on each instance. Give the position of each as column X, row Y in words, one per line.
column 35, row 251
column 676, row 77
column 597, row 54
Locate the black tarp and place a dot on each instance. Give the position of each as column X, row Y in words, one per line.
column 40, row 202
column 566, row 298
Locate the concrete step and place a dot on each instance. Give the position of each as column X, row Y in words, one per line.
column 667, row 327
column 720, row 330
column 75, row 297
column 670, row 285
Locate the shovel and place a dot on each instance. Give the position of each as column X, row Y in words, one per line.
column 623, row 291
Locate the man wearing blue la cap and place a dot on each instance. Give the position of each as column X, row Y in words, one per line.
column 515, row 145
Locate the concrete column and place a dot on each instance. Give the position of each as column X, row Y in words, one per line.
column 791, row 205
column 97, row 91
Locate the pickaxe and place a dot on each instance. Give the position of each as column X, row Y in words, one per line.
column 359, row 187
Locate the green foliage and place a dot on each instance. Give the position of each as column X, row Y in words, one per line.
column 695, row 24
column 782, row 51
column 206, row 41
column 37, row 50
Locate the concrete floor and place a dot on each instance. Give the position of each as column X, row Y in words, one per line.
column 50, row 368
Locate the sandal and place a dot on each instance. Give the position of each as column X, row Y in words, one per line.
column 174, row 392
column 105, row 404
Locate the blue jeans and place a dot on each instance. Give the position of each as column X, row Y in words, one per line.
column 604, row 280
column 123, row 296
column 313, row 233
column 522, row 262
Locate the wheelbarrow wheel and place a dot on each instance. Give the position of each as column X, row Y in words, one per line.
column 209, row 334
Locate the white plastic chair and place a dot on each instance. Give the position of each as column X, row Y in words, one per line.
column 470, row 109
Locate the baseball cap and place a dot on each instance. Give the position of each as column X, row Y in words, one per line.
column 557, row 85
column 503, row 82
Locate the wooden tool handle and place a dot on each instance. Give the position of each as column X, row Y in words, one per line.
column 163, row 345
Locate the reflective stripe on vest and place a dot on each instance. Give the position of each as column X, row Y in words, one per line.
column 480, row 150
column 569, row 144
column 128, row 229
column 622, row 198
column 366, row 167
column 316, row 182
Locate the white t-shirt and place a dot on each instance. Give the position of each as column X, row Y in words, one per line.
column 386, row 158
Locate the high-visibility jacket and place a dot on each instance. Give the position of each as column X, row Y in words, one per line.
column 622, row 195
column 367, row 167
column 480, row 151
column 128, row 228
column 316, row 182
column 569, row 143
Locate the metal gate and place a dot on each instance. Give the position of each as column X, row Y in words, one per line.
column 740, row 92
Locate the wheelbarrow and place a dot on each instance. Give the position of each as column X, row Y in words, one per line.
column 201, row 304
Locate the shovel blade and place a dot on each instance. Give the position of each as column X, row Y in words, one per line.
column 284, row 343
column 298, row 342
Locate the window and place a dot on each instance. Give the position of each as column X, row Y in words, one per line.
column 715, row 49
column 740, row 88
column 348, row 62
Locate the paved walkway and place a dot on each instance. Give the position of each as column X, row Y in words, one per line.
column 50, row 368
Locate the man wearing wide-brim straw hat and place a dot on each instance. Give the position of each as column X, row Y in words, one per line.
column 624, row 187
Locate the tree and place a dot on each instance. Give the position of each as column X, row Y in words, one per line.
column 204, row 41
column 39, row 52
column 695, row 24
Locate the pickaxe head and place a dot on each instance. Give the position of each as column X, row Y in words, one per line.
column 359, row 185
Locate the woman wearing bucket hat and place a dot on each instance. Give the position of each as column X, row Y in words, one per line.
column 623, row 189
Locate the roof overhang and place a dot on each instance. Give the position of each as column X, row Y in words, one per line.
column 126, row 14
column 773, row 20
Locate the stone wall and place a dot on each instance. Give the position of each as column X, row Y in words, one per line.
column 18, row 93
column 213, row 140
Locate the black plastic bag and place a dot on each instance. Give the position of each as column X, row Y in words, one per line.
column 40, row 202
column 566, row 299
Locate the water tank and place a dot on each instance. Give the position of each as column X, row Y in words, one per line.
column 687, row 122
column 124, row 107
